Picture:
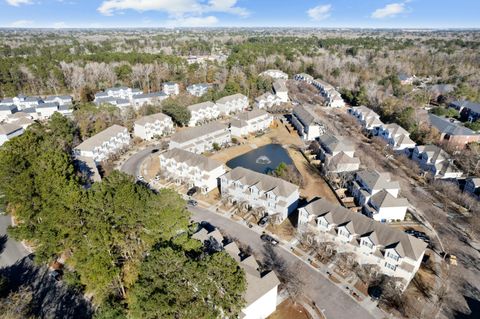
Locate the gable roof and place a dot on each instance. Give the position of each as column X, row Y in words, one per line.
column 152, row 118
column 385, row 199
column 447, row 127
column 306, row 115
column 100, row 138
column 191, row 159
column 229, row 98
column 280, row 86
column 7, row 128
column 200, row 106
column 337, row 143
column 376, row 180
column 197, row 132
column 475, row 107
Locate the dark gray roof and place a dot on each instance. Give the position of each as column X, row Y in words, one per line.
column 47, row 105
column 198, row 131
column 149, row 95
column 446, row 126
column 8, row 107
column 475, row 107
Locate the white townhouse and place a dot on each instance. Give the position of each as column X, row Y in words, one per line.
column 203, row 112
column 250, row 122
column 143, row 99
column 262, row 287
column 7, row 110
column 267, row 100
column 307, row 123
column 118, row 102
column 378, row 195
column 60, row 99
column 198, row 89
column 281, row 90
column 369, row 120
column 472, row 186
column 46, row 110
column 171, row 88
column 122, row 92
column 303, row 77
column 333, row 98
column 338, row 154
column 193, row 170
column 278, row 198
column 20, row 119
column 200, row 139
column 120, row 97
column 396, row 253
column 104, row 144
column 433, row 159
column 9, row 131
column 232, row 104
column 22, row 101
column 396, row 136
column 275, row 74
column 150, row 126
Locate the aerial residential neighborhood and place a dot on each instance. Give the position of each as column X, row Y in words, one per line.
column 239, row 159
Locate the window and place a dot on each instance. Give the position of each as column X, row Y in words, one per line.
column 323, row 222
column 367, row 243
column 390, row 266
column 392, row 256
column 344, row 233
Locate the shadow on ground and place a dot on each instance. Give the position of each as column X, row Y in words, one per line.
column 3, row 243
column 51, row 298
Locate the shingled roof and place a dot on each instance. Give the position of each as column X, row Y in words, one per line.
column 151, row 118
column 191, row 159
column 98, row 139
column 197, row 131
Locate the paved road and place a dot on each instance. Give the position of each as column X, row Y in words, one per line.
column 11, row 251
column 132, row 165
column 336, row 303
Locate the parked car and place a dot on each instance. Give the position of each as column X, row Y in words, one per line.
column 269, row 239
column 192, row 202
column 263, row 221
column 192, row 191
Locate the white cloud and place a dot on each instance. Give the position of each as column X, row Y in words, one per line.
column 193, row 22
column 390, row 10
column 16, row 3
column 178, row 8
column 21, row 24
column 320, row 12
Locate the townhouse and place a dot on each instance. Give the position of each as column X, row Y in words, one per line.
column 104, row 144
column 202, row 138
column 198, row 89
column 338, row 154
column 20, row 119
column 367, row 118
column 378, row 195
column 275, row 74
column 303, row 77
column 46, row 110
column 396, row 253
column 7, row 110
column 171, row 88
column 143, row 99
column 396, row 136
column 276, row 197
column 333, row 98
column 472, row 186
column 433, row 159
column 262, row 286
column 232, row 104
column 452, row 134
column 307, row 123
column 9, row 131
column 22, row 101
column 469, row 111
column 203, row 112
column 60, row 99
column 193, row 170
column 267, row 100
column 281, row 90
column 120, row 97
column 250, row 122
column 118, row 102
column 152, row 126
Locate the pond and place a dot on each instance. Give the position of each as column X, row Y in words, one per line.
column 263, row 159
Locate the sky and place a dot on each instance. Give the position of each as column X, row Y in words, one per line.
column 240, row 13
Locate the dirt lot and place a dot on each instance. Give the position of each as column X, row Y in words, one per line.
column 288, row 310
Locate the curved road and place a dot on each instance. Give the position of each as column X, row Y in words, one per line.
column 11, row 250
column 132, row 165
column 335, row 303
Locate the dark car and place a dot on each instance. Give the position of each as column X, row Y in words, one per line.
column 263, row 221
column 192, row 202
column 192, row 191
column 375, row 292
column 269, row 239
column 155, row 150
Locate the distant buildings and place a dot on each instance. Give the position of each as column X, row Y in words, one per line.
column 198, row 89
column 472, row 186
column 307, row 123
column 280, row 89
column 262, row 287
column 453, row 134
column 203, row 112
column 232, row 104
column 396, row 253
column 200, row 139
column 171, row 88
column 104, row 144
column 36, row 107
column 250, row 122
column 143, row 99
column 9, row 131
column 433, row 159
column 275, row 196
column 275, row 74
column 338, row 154
column 191, row 169
column 120, row 97
column 151, row 126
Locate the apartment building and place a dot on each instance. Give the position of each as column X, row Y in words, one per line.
column 198, row 89
column 267, row 100
column 232, row 104
column 307, row 123
column 193, row 170
column 452, row 133
column 396, row 253
column 7, row 110
column 262, row 287
column 22, row 101
column 250, row 122
column 367, row 118
column 436, row 161
column 203, row 112
column 338, row 154
column 121, row 92
column 281, row 90
column 20, row 119
column 200, row 139
column 9, row 131
column 275, row 74
column 332, row 97
column 104, row 144
column 171, row 88
column 60, row 99
column 151, row 126
column 303, row 77
column 143, row 99
column 396, row 136
column 275, row 196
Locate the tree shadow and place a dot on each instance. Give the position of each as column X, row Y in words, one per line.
column 3, row 243
column 50, row 298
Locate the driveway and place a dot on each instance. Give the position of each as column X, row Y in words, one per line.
column 336, row 303
column 10, row 250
